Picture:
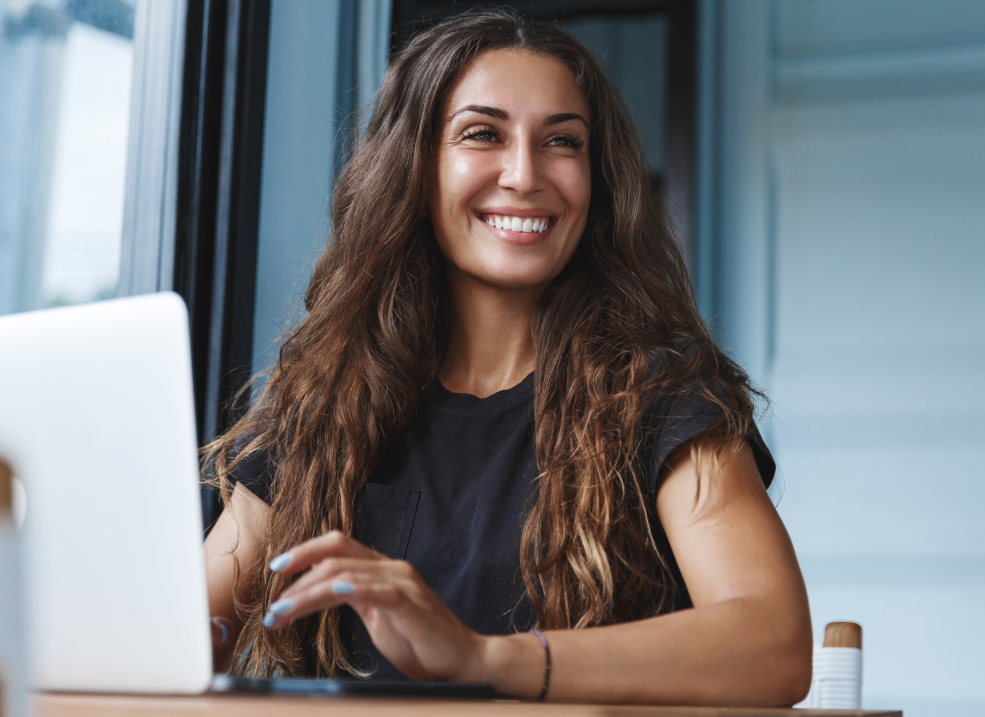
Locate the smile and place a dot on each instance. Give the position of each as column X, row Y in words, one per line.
column 518, row 224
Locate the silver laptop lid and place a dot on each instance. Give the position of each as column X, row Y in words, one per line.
column 97, row 418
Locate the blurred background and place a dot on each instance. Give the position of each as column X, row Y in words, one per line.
column 823, row 160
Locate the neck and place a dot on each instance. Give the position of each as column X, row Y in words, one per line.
column 490, row 347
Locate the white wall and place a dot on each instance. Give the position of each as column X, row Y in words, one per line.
column 850, row 255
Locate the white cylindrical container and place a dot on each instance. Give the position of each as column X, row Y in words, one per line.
column 13, row 660
column 838, row 677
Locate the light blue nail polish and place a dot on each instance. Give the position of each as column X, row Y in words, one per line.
column 225, row 632
column 269, row 620
column 281, row 606
column 341, row 587
column 280, row 562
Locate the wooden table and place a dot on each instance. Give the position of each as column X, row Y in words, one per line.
column 72, row 705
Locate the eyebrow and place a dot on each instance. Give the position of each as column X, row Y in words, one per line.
column 504, row 115
column 566, row 117
column 482, row 110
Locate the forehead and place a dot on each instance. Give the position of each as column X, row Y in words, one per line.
column 520, row 82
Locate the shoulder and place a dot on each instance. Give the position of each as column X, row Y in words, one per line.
column 254, row 467
column 694, row 392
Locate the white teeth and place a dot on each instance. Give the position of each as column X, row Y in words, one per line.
column 518, row 224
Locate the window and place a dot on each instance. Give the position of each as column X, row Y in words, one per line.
column 65, row 76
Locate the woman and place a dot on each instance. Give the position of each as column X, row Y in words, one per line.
column 503, row 412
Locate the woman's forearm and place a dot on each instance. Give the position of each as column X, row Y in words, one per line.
column 235, row 538
column 742, row 651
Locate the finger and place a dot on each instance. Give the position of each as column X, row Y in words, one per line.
column 221, row 630
column 333, row 544
column 332, row 567
column 354, row 590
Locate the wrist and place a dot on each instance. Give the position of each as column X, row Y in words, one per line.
column 513, row 664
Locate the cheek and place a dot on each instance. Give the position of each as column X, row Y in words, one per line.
column 458, row 179
column 579, row 187
column 461, row 176
column 575, row 187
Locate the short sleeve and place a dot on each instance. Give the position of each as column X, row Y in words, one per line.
column 671, row 424
column 255, row 472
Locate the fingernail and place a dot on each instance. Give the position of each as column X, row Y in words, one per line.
column 269, row 620
column 341, row 587
column 281, row 606
column 225, row 632
column 280, row 562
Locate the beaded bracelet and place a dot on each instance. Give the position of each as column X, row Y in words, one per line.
column 547, row 667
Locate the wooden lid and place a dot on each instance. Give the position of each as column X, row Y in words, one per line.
column 843, row 634
column 6, row 489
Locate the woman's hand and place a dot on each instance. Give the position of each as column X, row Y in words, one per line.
column 408, row 623
column 222, row 630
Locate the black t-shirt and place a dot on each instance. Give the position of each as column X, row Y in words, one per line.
column 451, row 494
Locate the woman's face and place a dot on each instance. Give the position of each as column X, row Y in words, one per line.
column 512, row 173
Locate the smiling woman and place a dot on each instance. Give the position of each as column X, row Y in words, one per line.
column 503, row 413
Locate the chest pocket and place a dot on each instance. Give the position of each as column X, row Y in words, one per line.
column 385, row 518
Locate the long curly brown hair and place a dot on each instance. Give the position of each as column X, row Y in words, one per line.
column 608, row 333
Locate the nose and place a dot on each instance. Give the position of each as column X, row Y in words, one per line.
column 521, row 170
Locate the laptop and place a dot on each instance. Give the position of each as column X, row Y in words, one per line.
column 97, row 418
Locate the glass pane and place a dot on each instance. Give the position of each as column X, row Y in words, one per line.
column 300, row 126
column 311, row 68
column 65, row 75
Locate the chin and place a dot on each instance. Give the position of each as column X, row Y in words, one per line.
column 515, row 278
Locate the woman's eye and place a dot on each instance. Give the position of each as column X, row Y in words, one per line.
column 483, row 134
column 566, row 140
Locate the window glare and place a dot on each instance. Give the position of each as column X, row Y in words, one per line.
column 82, row 257
column 64, row 118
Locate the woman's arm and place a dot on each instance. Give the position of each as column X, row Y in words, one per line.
column 747, row 640
column 238, row 532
